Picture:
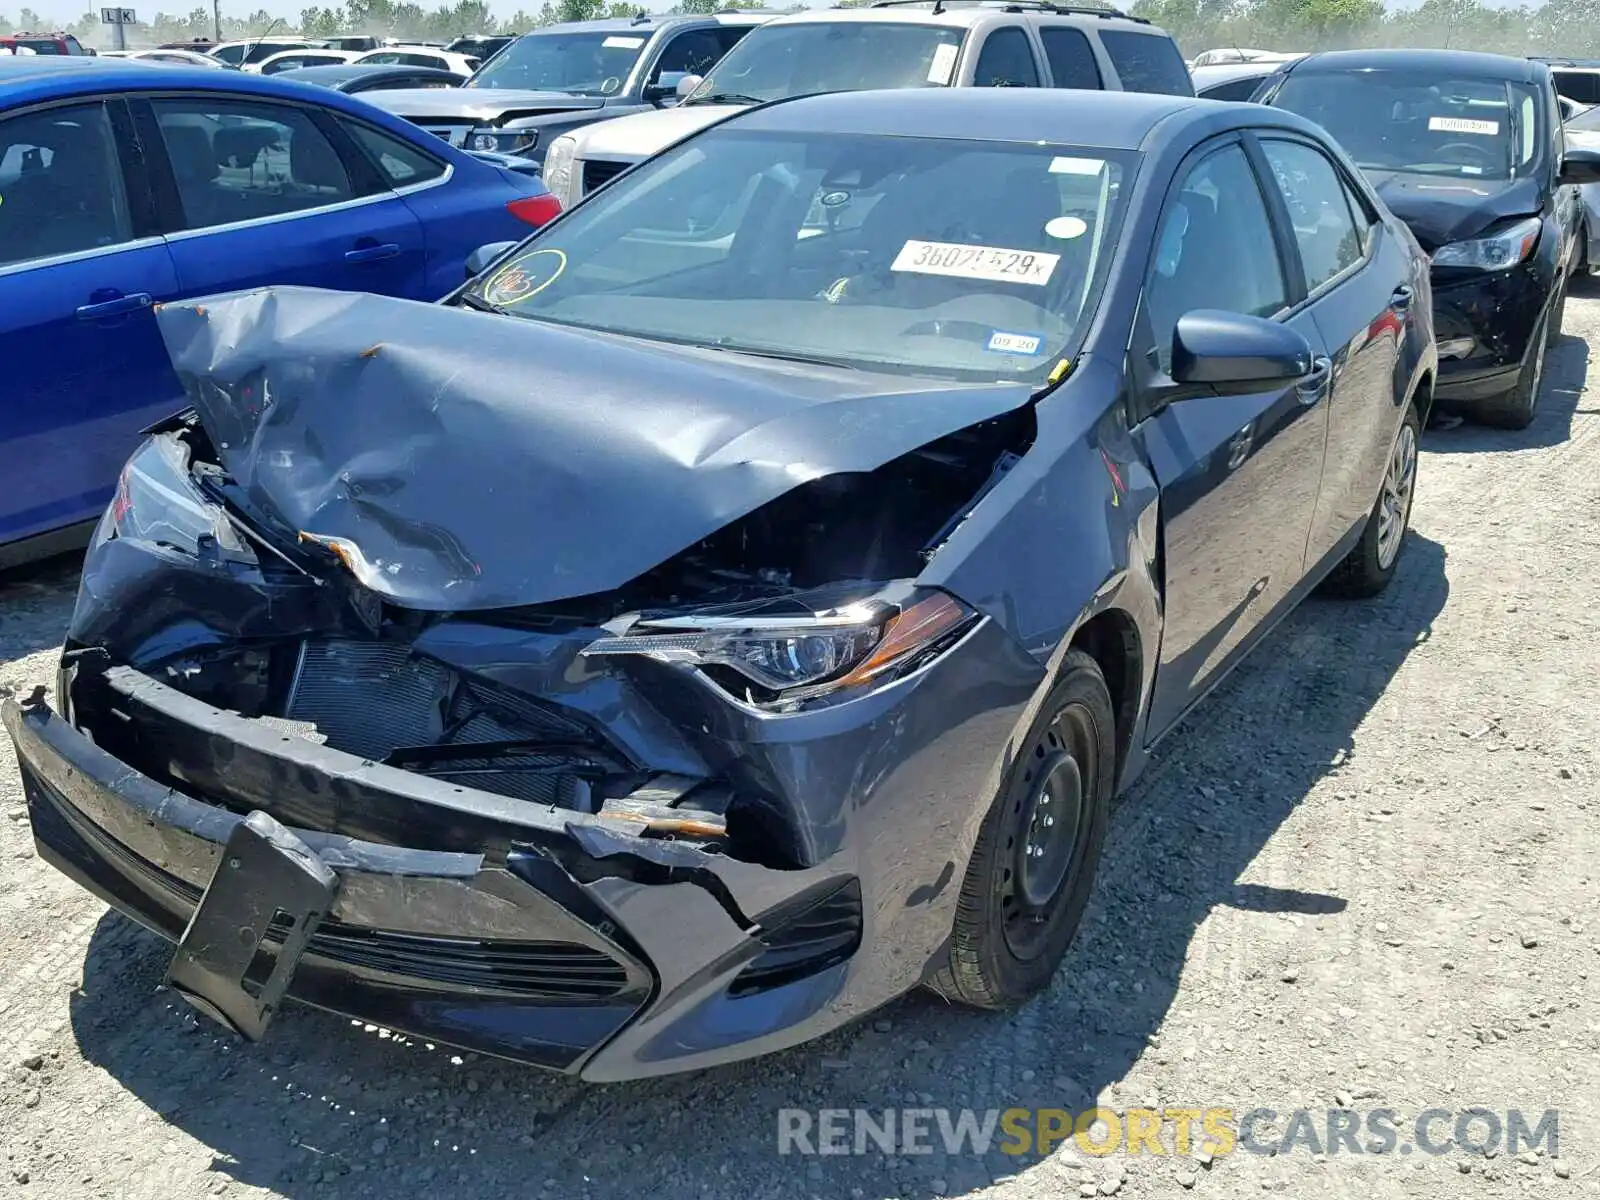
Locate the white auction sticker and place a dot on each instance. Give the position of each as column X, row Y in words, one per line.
column 1076, row 166
column 623, row 43
column 944, row 62
column 976, row 262
column 1014, row 343
column 1463, row 125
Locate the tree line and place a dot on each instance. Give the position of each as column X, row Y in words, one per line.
column 1566, row 27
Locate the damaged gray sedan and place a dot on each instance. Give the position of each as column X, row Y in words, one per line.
column 740, row 603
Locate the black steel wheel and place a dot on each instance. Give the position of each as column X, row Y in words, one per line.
column 1033, row 866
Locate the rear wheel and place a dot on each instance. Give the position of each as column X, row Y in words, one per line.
column 1367, row 569
column 1033, row 866
column 1514, row 409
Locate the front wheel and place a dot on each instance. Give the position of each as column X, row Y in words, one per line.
column 1514, row 409
column 1033, row 866
column 1367, row 569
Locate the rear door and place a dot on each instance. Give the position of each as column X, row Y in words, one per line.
column 1360, row 297
column 255, row 193
column 82, row 365
column 1238, row 474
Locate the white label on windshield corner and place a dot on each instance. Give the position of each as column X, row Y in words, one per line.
column 976, row 262
column 1014, row 343
column 1076, row 166
column 944, row 62
column 1463, row 125
column 623, row 43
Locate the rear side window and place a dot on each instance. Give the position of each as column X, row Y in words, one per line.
column 1147, row 62
column 402, row 164
column 1582, row 86
column 1071, row 58
column 60, row 184
column 1006, row 61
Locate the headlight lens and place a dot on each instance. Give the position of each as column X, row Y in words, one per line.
column 558, row 168
column 506, row 143
column 1504, row 249
column 800, row 657
column 156, row 502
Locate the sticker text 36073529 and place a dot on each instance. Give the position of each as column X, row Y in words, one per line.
column 994, row 263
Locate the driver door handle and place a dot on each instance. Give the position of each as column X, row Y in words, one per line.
column 363, row 254
column 1401, row 300
column 1315, row 385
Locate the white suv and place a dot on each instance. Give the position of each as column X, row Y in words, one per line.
column 892, row 44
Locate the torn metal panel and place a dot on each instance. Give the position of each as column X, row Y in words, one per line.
column 520, row 463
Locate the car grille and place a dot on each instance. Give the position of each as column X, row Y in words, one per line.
column 373, row 698
column 454, row 133
column 558, row 970
column 599, row 172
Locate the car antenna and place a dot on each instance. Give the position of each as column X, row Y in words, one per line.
column 276, row 21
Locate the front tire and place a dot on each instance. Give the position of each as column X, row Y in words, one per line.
column 1367, row 569
column 1514, row 409
column 1033, row 866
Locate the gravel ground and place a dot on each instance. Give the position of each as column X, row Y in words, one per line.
column 1365, row 874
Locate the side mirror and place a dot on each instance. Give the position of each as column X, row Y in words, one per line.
column 480, row 258
column 1232, row 352
column 687, row 85
column 1580, row 166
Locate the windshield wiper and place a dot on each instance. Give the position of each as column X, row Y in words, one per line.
column 480, row 304
column 816, row 360
column 725, row 98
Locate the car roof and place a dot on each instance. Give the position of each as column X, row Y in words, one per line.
column 963, row 17
column 651, row 23
column 1468, row 63
column 42, row 77
column 1108, row 120
column 332, row 73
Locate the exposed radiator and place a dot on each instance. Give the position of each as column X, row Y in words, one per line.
column 373, row 698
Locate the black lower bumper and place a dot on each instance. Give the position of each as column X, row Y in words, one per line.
column 624, row 972
column 1485, row 321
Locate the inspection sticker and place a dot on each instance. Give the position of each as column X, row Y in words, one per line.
column 1463, row 125
column 623, row 43
column 1014, row 343
column 976, row 262
column 944, row 62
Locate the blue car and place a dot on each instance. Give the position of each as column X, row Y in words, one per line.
column 123, row 186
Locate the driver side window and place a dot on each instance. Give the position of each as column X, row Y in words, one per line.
column 1215, row 249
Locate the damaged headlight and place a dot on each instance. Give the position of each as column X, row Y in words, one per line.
column 157, row 502
column 800, row 656
column 1495, row 253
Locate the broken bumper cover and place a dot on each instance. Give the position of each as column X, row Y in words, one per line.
column 559, row 959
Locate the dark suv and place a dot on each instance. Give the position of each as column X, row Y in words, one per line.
column 1468, row 150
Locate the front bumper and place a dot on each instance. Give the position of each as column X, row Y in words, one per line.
column 1487, row 319
column 500, row 950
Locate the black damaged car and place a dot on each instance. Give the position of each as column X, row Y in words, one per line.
column 740, row 604
column 1467, row 149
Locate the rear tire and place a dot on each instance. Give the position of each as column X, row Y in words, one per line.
column 1033, row 866
column 1514, row 409
column 1367, row 569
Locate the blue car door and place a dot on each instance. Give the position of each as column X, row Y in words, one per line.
column 82, row 365
column 257, row 192
column 1239, row 474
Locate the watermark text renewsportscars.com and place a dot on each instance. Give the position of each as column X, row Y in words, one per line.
column 1175, row 1130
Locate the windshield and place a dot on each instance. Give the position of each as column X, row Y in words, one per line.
column 585, row 64
column 1406, row 121
column 780, row 61
column 968, row 259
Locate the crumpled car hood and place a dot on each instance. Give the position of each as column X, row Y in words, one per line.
column 463, row 460
column 1441, row 209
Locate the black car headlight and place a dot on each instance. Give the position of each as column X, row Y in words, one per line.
column 1496, row 252
column 505, row 142
column 157, row 502
column 797, row 657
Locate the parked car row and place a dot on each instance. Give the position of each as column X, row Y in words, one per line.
column 643, row 656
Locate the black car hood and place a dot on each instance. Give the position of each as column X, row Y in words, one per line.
column 1443, row 208
column 461, row 460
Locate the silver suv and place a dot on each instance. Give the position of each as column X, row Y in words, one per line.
column 892, row 44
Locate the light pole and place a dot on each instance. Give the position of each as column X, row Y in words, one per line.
column 216, row 18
